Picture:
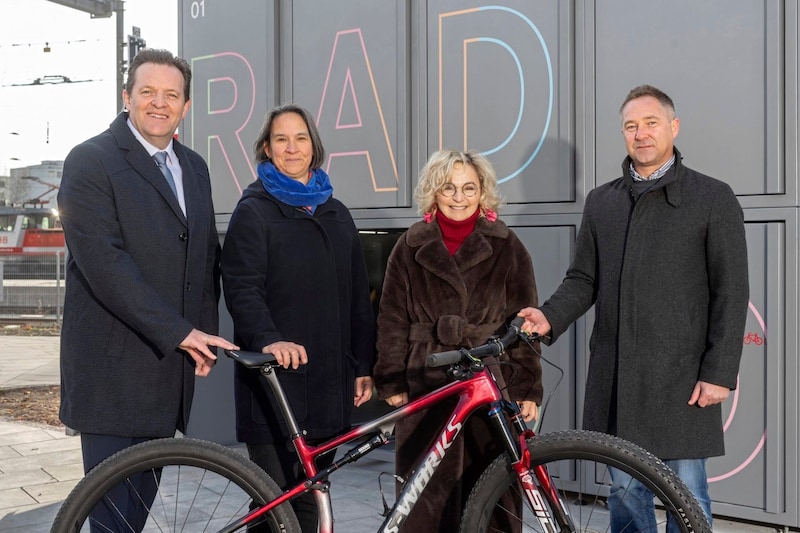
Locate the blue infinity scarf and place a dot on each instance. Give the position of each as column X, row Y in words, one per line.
column 293, row 192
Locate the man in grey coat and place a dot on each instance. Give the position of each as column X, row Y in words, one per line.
column 140, row 309
column 661, row 254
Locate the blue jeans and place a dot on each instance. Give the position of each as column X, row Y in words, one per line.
column 631, row 504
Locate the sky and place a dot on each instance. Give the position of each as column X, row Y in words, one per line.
column 43, row 122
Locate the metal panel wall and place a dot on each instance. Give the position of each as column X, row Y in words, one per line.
column 537, row 87
column 232, row 49
column 352, row 77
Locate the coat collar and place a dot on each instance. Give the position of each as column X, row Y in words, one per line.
column 421, row 233
column 432, row 255
column 138, row 158
column 671, row 181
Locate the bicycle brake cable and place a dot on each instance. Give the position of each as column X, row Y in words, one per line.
column 386, row 508
column 529, row 340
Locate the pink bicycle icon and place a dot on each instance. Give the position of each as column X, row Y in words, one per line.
column 754, row 338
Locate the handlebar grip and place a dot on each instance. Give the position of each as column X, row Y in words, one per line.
column 444, row 358
column 517, row 323
column 454, row 356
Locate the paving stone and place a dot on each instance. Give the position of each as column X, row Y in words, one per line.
column 68, row 472
column 30, row 436
column 7, row 428
column 21, row 478
column 50, row 492
column 49, row 445
column 35, row 461
column 7, row 452
column 14, row 498
column 36, row 518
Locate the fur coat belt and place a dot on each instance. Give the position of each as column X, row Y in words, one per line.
column 451, row 330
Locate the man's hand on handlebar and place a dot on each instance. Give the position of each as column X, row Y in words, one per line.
column 535, row 321
column 287, row 354
column 196, row 345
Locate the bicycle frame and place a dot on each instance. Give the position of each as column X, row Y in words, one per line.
column 477, row 390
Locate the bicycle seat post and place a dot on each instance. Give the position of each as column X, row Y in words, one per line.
column 277, row 389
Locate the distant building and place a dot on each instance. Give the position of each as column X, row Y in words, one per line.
column 32, row 185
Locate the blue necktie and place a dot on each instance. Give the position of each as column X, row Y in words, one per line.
column 161, row 161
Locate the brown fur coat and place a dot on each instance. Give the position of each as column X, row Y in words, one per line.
column 431, row 302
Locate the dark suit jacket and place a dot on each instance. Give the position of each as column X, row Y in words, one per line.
column 140, row 276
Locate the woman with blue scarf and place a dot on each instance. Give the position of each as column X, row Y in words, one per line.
column 296, row 286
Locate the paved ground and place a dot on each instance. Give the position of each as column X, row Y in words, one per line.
column 39, row 465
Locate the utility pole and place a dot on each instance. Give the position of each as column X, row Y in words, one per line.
column 121, row 67
column 135, row 44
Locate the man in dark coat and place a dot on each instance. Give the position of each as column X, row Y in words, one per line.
column 661, row 253
column 142, row 275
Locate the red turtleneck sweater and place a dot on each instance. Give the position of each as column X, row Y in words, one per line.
column 454, row 232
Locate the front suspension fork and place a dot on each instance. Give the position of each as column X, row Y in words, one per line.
column 550, row 511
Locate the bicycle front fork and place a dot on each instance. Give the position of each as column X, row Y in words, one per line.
column 536, row 482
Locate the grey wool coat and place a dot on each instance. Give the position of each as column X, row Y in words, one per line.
column 433, row 301
column 667, row 273
column 140, row 276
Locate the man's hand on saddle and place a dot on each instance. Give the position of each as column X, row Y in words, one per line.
column 196, row 345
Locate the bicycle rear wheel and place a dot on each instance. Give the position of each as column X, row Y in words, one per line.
column 169, row 485
column 578, row 462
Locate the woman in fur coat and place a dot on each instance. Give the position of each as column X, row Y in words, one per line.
column 452, row 280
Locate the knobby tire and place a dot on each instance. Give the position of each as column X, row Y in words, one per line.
column 202, row 486
column 572, row 458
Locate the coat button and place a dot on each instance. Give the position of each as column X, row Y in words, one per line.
column 183, row 236
column 188, row 287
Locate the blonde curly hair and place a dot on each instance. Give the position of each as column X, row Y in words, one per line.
column 436, row 173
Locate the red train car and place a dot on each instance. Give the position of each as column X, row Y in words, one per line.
column 31, row 242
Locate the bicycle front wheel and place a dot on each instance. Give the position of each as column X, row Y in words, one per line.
column 578, row 463
column 169, row 485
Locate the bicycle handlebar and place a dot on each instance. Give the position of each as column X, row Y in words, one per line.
column 493, row 347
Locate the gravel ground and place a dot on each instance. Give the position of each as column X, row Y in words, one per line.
column 36, row 329
column 31, row 404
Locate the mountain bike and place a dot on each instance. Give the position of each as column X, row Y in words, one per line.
column 560, row 477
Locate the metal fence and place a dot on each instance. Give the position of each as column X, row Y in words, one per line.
column 32, row 286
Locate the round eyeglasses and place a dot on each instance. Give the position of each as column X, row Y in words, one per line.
column 469, row 190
